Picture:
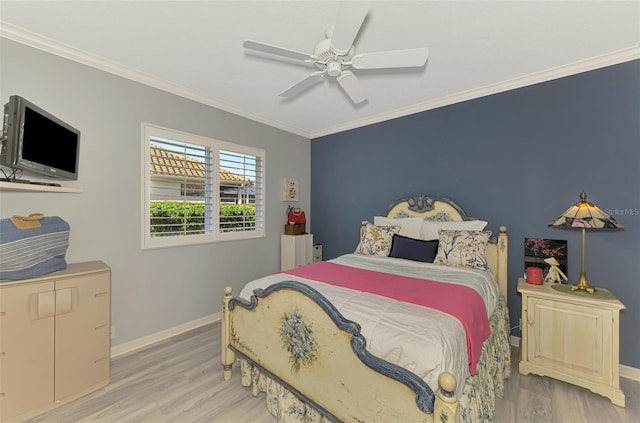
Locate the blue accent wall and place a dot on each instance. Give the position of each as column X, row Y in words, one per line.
column 519, row 159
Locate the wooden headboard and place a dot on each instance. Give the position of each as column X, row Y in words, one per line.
column 443, row 209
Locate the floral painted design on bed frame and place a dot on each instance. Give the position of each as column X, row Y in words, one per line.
column 438, row 217
column 297, row 339
column 236, row 339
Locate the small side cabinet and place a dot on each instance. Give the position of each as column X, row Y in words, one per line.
column 54, row 339
column 295, row 251
column 572, row 338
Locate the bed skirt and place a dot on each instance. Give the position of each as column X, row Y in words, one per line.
column 477, row 403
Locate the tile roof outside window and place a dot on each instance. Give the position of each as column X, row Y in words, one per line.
column 169, row 163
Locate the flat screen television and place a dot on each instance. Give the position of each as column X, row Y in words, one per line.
column 37, row 142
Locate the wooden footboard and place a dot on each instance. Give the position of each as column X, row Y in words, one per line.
column 297, row 337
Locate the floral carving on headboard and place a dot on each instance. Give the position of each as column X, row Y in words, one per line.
column 427, row 207
column 420, row 203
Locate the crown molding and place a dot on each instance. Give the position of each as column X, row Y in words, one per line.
column 22, row 36
column 37, row 41
column 614, row 58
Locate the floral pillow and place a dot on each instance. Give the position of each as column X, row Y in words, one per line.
column 463, row 249
column 376, row 240
column 431, row 229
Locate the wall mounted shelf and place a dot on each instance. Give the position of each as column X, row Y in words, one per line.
column 18, row 187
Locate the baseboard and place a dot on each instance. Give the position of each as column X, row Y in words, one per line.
column 630, row 373
column 515, row 341
column 145, row 341
column 625, row 371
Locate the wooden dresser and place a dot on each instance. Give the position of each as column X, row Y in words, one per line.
column 54, row 339
column 572, row 338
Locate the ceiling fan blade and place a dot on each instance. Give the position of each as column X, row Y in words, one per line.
column 409, row 58
column 352, row 87
column 280, row 51
column 303, row 84
column 348, row 24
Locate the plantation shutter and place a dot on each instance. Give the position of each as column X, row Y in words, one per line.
column 240, row 191
column 181, row 188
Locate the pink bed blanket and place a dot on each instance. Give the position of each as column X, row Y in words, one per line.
column 459, row 301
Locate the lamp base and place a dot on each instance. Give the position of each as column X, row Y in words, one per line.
column 588, row 288
column 583, row 285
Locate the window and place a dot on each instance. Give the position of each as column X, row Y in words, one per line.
column 199, row 190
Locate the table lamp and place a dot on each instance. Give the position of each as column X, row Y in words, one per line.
column 584, row 215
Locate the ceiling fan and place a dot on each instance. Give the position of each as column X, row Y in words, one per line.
column 335, row 56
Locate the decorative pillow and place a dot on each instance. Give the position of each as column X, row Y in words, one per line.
column 463, row 249
column 430, row 228
column 409, row 226
column 413, row 249
column 376, row 240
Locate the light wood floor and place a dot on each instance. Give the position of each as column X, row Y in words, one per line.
column 180, row 380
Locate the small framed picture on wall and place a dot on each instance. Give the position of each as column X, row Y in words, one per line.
column 290, row 189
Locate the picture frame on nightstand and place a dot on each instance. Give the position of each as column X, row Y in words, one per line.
column 536, row 250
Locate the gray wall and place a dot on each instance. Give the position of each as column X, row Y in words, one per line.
column 519, row 159
column 152, row 290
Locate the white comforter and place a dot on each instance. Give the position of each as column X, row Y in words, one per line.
column 424, row 341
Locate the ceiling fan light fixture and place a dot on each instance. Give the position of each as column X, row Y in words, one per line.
column 334, row 68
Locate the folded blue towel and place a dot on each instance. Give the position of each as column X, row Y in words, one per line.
column 28, row 253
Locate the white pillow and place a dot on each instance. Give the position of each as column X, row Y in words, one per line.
column 430, row 228
column 409, row 226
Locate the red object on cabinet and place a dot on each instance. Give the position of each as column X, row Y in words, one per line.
column 534, row 275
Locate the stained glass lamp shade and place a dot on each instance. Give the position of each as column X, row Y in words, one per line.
column 585, row 215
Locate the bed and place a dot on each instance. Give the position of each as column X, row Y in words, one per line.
column 381, row 335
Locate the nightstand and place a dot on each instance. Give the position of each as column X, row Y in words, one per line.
column 571, row 337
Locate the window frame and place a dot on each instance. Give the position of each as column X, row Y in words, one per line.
column 215, row 235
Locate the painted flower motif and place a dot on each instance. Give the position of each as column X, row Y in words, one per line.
column 440, row 217
column 297, row 339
